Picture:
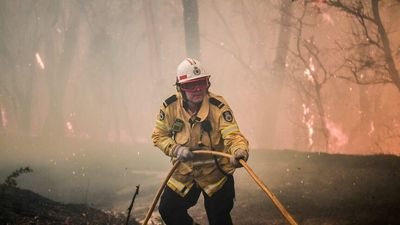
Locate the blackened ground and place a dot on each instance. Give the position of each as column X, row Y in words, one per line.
column 321, row 189
column 19, row 206
column 315, row 188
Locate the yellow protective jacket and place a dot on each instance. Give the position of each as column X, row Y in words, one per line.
column 213, row 127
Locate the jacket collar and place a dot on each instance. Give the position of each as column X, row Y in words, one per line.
column 204, row 109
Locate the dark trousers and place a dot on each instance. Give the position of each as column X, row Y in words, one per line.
column 173, row 208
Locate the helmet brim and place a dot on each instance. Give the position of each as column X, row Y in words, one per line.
column 194, row 79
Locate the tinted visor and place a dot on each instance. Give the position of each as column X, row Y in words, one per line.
column 195, row 85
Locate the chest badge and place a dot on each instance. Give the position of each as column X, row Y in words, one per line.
column 228, row 117
column 177, row 126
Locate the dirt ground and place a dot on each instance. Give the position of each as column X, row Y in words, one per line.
column 315, row 188
column 318, row 189
column 20, row 207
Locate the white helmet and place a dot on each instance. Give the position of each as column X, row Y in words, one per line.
column 189, row 69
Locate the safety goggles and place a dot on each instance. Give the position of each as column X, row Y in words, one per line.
column 196, row 85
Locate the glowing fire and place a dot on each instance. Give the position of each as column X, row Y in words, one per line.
column 70, row 127
column 307, row 74
column 309, row 70
column 311, row 64
column 4, row 120
column 39, row 60
column 371, row 128
column 328, row 19
column 337, row 137
column 308, row 120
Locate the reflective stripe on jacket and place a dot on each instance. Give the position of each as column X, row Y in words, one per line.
column 174, row 125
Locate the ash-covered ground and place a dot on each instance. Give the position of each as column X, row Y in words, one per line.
column 316, row 188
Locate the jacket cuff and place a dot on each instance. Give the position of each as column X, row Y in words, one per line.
column 170, row 149
column 234, row 149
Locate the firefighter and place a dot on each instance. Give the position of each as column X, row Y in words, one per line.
column 194, row 118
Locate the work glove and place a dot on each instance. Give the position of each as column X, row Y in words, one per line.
column 239, row 154
column 183, row 153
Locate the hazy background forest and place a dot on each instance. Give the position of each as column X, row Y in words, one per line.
column 307, row 75
column 81, row 82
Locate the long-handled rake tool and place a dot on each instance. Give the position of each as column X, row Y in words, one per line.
column 256, row 179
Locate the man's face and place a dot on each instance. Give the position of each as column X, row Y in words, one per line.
column 195, row 90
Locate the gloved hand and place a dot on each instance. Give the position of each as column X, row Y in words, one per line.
column 183, row 153
column 239, row 154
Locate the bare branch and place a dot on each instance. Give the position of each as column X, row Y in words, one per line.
column 393, row 72
column 356, row 80
column 226, row 26
column 352, row 10
column 234, row 55
column 131, row 205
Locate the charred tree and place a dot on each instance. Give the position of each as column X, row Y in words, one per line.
column 279, row 65
column 17, row 59
column 59, row 69
column 306, row 55
column 369, row 33
column 191, row 25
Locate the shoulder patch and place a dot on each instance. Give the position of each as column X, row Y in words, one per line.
column 216, row 102
column 169, row 101
column 228, row 117
column 161, row 115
